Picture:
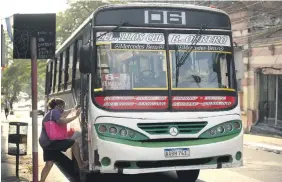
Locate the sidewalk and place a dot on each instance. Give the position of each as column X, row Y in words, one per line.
column 8, row 169
column 269, row 144
column 8, row 172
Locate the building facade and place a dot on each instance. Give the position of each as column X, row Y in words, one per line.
column 259, row 41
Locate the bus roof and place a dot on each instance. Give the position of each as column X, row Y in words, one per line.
column 185, row 6
column 170, row 5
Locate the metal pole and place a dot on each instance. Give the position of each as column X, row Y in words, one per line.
column 34, row 109
column 3, row 48
column 18, row 152
column 276, row 103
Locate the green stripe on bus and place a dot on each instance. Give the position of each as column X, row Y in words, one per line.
column 170, row 144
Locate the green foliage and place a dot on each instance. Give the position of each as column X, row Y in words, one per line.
column 69, row 20
column 17, row 75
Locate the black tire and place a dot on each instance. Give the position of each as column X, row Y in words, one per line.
column 188, row 176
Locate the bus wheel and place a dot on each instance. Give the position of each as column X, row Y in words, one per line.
column 188, row 176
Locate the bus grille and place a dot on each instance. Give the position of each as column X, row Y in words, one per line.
column 163, row 128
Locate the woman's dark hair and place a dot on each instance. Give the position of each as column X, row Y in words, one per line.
column 55, row 102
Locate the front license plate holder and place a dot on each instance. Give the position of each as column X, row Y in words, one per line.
column 176, row 152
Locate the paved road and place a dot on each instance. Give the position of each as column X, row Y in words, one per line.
column 259, row 166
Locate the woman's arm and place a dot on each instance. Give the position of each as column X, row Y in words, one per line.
column 64, row 120
column 66, row 113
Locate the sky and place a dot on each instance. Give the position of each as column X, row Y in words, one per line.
column 10, row 7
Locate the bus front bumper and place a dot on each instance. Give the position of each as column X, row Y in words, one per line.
column 148, row 157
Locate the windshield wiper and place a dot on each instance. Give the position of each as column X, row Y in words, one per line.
column 123, row 23
column 181, row 61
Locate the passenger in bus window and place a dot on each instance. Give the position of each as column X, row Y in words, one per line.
column 52, row 149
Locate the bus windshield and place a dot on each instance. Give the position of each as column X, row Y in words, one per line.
column 206, row 66
column 200, row 70
column 131, row 65
column 134, row 61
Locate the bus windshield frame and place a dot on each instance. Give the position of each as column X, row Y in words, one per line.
column 157, row 96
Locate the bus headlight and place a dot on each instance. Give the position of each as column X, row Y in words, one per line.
column 113, row 130
column 131, row 134
column 123, row 132
column 227, row 128
column 220, row 129
column 118, row 132
column 102, row 128
column 212, row 131
column 237, row 125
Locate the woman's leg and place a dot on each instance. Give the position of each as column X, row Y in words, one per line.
column 76, row 154
column 46, row 170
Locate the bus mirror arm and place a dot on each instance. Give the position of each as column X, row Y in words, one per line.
column 84, row 59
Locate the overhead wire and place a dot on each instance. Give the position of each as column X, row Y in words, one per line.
column 236, row 10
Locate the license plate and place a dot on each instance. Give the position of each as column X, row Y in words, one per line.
column 177, row 152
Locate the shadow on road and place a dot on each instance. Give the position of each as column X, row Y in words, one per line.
column 65, row 167
column 129, row 178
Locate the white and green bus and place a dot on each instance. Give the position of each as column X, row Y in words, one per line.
column 157, row 87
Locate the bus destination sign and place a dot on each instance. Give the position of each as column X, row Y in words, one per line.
column 162, row 17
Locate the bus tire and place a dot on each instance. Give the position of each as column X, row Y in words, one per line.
column 188, row 176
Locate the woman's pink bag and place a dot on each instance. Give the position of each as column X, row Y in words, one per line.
column 54, row 130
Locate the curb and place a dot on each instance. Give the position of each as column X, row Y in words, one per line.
column 266, row 147
column 14, row 179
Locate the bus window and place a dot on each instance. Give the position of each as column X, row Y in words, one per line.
column 63, row 74
column 56, row 62
column 59, row 72
column 77, row 72
column 53, row 75
column 66, row 70
column 210, row 67
column 136, row 69
column 70, row 68
column 49, row 77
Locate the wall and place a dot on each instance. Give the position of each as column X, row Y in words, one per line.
column 262, row 57
column 240, row 32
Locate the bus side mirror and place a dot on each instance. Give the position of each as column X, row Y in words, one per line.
column 84, row 62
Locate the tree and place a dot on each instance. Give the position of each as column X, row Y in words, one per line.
column 16, row 77
column 17, row 73
column 70, row 19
